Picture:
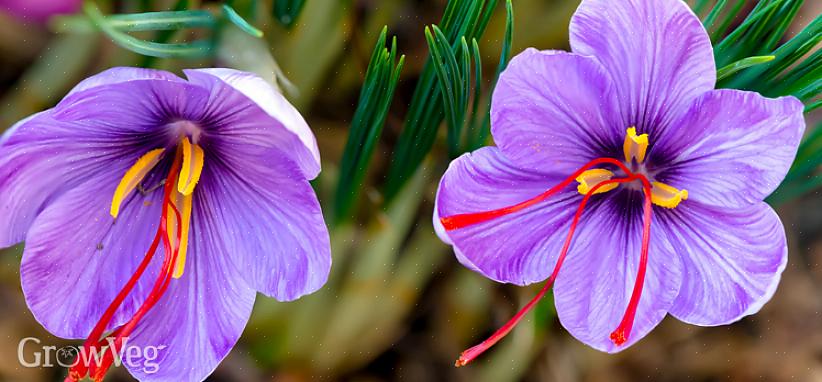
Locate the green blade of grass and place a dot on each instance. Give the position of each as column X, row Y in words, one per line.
column 728, row 70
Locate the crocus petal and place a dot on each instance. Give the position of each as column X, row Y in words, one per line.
column 268, row 216
column 119, row 75
column 265, row 117
column 77, row 258
column 733, row 259
column 595, row 284
column 732, row 148
column 519, row 248
column 51, row 152
column 657, row 53
column 39, row 10
column 554, row 110
column 199, row 319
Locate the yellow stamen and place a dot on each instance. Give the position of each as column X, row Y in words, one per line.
column 133, row 177
column 590, row 178
column 184, row 203
column 635, row 146
column 192, row 168
column 666, row 196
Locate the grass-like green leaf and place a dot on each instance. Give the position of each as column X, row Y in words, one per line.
column 462, row 19
column 482, row 131
column 287, row 11
column 200, row 48
column 381, row 79
column 741, row 64
column 240, row 22
column 162, row 21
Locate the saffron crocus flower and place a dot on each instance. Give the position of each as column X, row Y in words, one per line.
column 672, row 172
column 39, row 10
column 213, row 171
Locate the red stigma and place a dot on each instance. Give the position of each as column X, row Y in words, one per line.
column 451, row 223
column 96, row 341
column 623, row 331
column 469, row 355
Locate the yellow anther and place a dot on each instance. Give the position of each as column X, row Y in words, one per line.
column 192, row 168
column 133, row 177
column 635, row 146
column 590, row 178
column 183, row 203
column 666, row 196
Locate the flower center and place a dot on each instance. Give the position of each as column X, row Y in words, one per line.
column 185, row 128
column 173, row 232
column 634, row 148
column 591, row 181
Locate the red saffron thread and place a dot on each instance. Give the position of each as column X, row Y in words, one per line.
column 94, row 341
column 463, row 220
column 623, row 331
column 469, row 355
column 159, row 290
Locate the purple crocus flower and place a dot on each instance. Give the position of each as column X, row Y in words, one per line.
column 39, row 10
column 214, row 170
column 673, row 174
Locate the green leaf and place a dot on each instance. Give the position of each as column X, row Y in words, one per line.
column 165, row 21
column 461, row 19
column 709, row 21
column 791, row 72
column 240, row 22
column 478, row 139
column 729, row 18
column 381, row 79
column 742, row 64
column 287, row 11
column 700, row 6
column 195, row 49
column 727, row 50
column 813, row 106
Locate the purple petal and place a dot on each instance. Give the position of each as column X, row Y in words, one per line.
column 280, row 126
column 39, row 10
column 732, row 148
column 733, row 259
column 657, row 53
column 554, row 110
column 49, row 153
column 77, row 259
column 199, row 319
column 595, row 284
column 119, row 75
column 266, row 213
column 519, row 248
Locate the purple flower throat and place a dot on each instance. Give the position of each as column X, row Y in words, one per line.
column 632, row 174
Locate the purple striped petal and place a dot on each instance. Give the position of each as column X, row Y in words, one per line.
column 267, row 216
column 519, row 248
column 77, row 258
column 199, row 319
column 261, row 115
column 595, row 284
column 554, row 111
column 732, row 148
column 657, row 53
column 733, row 259
column 120, row 75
